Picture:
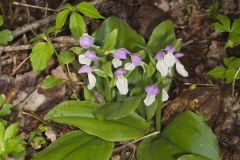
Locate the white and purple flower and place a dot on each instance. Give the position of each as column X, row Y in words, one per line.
column 167, row 61
column 91, row 78
column 136, row 60
column 118, row 55
column 152, row 91
column 121, row 82
column 86, row 41
column 88, row 57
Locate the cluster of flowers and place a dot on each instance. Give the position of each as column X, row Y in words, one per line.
column 165, row 62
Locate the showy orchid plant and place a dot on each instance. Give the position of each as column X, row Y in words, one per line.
column 124, row 83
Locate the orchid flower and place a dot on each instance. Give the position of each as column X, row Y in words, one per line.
column 167, row 61
column 121, row 82
column 91, row 78
column 118, row 55
column 161, row 65
column 87, row 57
column 136, row 60
column 152, row 91
column 86, row 41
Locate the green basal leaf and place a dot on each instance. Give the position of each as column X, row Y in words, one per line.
column 217, row 72
column 162, row 36
column 187, row 133
column 61, row 19
column 126, row 38
column 6, row 109
column 77, row 25
column 66, row 57
column 1, row 20
column 6, row 36
column 77, row 145
column 107, row 68
column 80, row 114
column 119, row 110
column 88, row 10
column 40, row 55
column 51, row 81
column 192, row 157
column 110, row 40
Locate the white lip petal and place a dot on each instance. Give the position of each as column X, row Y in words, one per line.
column 116, row 63
column 164, row 95
column 149, row 100
column 122, row 84
column 91, row 81
column 162, row 67
column 129, row 66
column 181, row 70
column 169, row 59
column 82, row 59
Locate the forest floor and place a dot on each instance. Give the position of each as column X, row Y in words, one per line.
column 203, row 48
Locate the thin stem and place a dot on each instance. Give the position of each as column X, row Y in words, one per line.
column 34, row 116
column 158, row 112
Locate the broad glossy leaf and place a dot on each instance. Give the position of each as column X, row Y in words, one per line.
column 6, row 36
column 157, row 149
column 110, row 40
column 162, row 36
column 192, row 157
column 127, row 37
column 77, row 145
column 61, row 18
column 40, row 55
column 51, row 81
column 119, row 110
column 187, row 133
column 66, row 57
column 80, row 114
column 88, row 10
column 107, row 68
column 77, row 25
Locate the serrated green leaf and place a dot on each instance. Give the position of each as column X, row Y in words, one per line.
column 68, row 6
column 236, row 26
column 61, row 19
column 51, row 81
column 77, row 145
column 11, row 131
column 162, row 35
column 217, row 72
column 66, row 57
column 219, row 27
column 40, row 55
column 38, row 37
column 1, row 20
column 80, row 114
column 192, row 157
column 6, row 36
column 187, row 133
column 127, row 37
column 77, row 25
column 230, row 74
column 6, row 109
column 110, row 40
column 88, row 10
column 225, row 21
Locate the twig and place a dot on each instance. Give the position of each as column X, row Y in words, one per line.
column 61, row 42
column 32, row 6
column 34, row 116
column 233, row 85
column 200, row 84
column 137, row 140
column 20, row 65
